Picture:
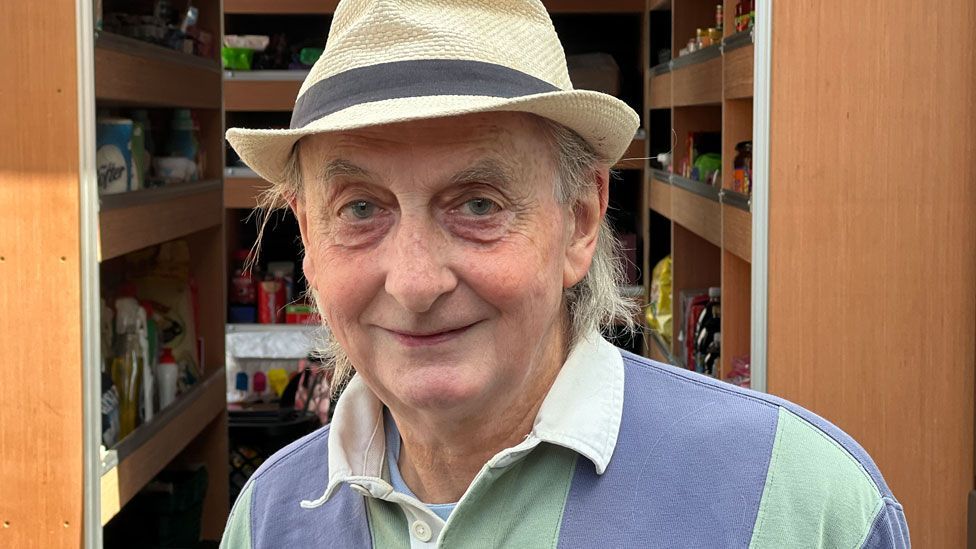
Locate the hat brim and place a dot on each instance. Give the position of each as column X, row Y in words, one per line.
column 604, row 121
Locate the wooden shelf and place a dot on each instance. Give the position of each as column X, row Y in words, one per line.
column 700, row 215
column 295, row 7
column 696, row 79
column 633, row 158
column 139, row 457
column 262, row 90
column 242, row 187
column 134, row 220
column 132, row 72
column 659, row 196
column 659, row 91
column 737, row 231
column 737, row 72
column 659, row 5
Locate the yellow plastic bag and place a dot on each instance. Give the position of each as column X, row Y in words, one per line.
column 659, row 308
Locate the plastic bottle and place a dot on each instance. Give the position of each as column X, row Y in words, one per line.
column 708, row 325
column 169, row 372
column 126, row 374
column 129, row 365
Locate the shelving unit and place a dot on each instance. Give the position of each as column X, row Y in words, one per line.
column 710, row 228
column 138, row 219
column 134, row 461
column 130, row 74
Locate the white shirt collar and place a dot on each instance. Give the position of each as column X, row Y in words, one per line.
column 581, row 412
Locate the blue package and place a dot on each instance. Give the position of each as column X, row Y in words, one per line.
column 113, row 141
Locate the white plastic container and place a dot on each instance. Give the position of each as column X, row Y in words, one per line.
column 169, row 371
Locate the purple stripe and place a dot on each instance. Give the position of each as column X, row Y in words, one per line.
column 298, row 472
column 689, row 468
column 890, row 530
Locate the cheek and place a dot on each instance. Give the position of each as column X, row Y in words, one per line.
column 345, row 282
column 523, row 275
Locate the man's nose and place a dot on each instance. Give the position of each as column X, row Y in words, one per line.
column 417, row 271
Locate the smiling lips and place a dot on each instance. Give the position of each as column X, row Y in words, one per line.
column 422, row 339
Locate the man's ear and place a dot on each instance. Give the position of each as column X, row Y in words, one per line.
column 298, row 208
column 587, row 216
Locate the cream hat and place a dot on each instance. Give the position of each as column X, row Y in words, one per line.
column 390, row 61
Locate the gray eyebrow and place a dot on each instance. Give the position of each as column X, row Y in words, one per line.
column 487, row 170
column 343, row 168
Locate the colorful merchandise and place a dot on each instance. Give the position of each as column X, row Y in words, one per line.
column 742, row 168
column 659, row 308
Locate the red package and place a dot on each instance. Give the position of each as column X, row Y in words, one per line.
column 271, row 302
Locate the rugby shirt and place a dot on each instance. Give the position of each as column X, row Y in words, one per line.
column 625, row 452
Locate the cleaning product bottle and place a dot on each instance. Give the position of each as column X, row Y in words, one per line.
column 128, row 365
column 149, row 339
column 168, row 372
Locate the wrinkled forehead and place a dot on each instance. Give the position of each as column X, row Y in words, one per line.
column 514, row 143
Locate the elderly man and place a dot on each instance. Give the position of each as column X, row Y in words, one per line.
column 451, row 188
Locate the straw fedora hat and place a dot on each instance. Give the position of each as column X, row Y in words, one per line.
column 389, row 61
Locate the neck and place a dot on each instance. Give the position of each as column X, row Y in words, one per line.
column 441, row 453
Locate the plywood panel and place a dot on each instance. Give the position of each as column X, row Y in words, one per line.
column 659, row 91
column 737, row 232
column 697, row 214
column 697, row 84
column 872, row 249
column 659, row 197
column 258, row 95
column 40, row 279
column 131, row 72
column 243, row 192
column 736, row 309
column 124, row 230
column 737, row 72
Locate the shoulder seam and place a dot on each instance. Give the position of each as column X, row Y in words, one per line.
column 826, row 436
column 879, row 510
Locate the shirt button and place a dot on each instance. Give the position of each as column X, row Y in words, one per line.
column 361, row 490
column 421, row 530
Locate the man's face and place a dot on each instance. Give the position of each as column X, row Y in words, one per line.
column 439, row 253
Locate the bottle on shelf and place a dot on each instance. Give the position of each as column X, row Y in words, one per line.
column 169, row 373
column 706, row 329
column 128, row 365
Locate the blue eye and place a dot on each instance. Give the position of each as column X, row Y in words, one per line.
column 361, row 209
column 480, row 206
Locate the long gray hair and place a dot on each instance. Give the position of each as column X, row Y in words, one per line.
column 595, row 302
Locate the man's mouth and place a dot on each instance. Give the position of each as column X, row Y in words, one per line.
column 412, row 338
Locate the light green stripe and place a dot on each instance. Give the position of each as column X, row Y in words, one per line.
column 816, row 493
column 518, row 506
column 387, row 523
column 237, row 532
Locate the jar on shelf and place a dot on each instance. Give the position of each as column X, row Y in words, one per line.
column 742, row 168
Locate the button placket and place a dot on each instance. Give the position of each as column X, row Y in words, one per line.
column 421, row 530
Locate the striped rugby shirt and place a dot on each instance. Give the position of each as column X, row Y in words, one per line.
column 625, row 452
